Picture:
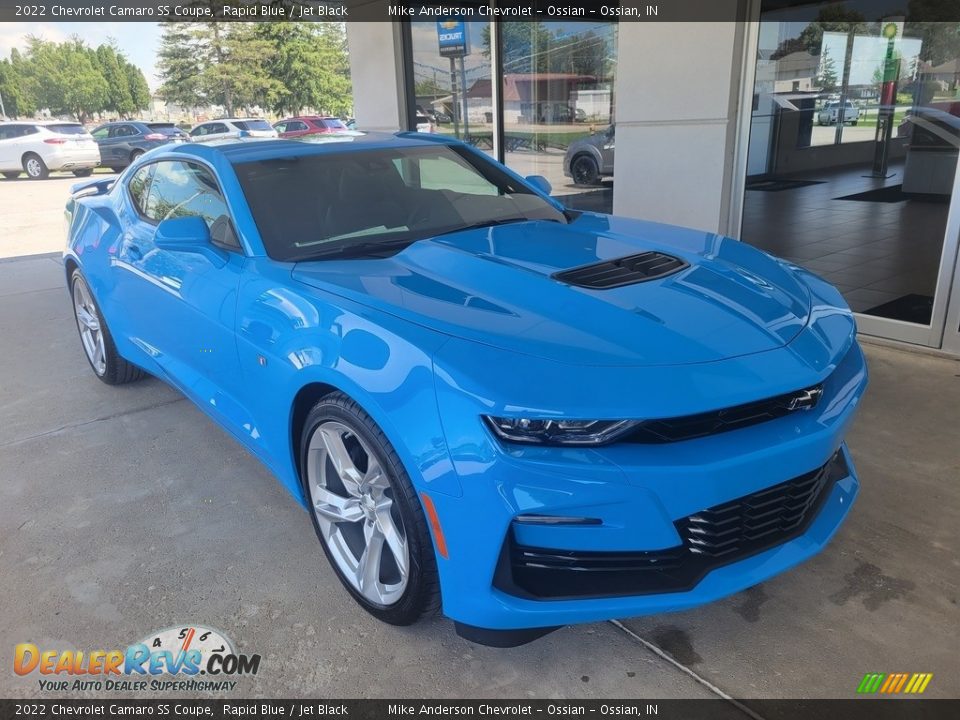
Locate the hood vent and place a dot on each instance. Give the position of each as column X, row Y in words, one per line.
column 622, row 271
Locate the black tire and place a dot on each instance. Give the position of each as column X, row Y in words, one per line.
column 134, row 155
column 11, row 175
column 584, row 171
column 83, row 173
column 35, row 167
column 853, row 123
column 117, row 169
column 117, row 371
column 421, row 596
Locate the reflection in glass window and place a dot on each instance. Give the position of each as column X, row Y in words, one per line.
column 558, row 85
column 180, row 189
column 451, row 87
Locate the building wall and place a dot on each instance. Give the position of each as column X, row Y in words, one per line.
column 676, row 115
column 376, row 69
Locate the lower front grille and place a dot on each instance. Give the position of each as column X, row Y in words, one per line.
column 714, row 537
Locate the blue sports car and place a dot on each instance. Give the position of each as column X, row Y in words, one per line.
column 489, row 404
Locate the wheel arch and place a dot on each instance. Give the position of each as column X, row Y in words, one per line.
column 304, row 400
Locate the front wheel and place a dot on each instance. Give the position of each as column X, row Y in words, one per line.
column 96, row 339
column 366, row 513
column 83, row 173
column 585, row 170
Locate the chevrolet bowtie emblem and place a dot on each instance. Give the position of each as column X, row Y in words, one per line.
column 805, row 399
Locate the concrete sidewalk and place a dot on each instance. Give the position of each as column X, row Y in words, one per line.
column 124, row 511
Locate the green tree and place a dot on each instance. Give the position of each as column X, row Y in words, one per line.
column 137, row 84
column 179, row 66
column 65, row 78
column 827, row 74
column 119, row 99
column 17, row 100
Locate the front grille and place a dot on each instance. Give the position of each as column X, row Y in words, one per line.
column 689, row 427
column 622, row 271
column 712, row 538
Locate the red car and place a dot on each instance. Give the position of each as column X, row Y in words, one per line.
column 309, row 125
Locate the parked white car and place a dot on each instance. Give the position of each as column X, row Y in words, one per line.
column 831, row 111
column 425, row 124
column 232, row 128
column 39, row 148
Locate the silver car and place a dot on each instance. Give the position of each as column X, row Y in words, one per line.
column 590, row 159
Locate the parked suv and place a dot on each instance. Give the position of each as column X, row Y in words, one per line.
column 124, row 141
column 232, row 128
column 590, row 159
column 38, row 148
column 831, row 111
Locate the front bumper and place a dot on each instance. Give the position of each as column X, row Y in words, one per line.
column 641, row 495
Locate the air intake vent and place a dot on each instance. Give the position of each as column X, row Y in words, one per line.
column 622, row 271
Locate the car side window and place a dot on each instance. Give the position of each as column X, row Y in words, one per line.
column 281, row 127
column 199, row 130
column 138, row 185
column 217, row 128
column 183, row 189
column 296, row 126
column 100, row 133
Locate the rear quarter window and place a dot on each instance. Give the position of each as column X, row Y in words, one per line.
column 252, row 124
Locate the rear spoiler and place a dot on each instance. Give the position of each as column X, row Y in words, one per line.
column 93, row 187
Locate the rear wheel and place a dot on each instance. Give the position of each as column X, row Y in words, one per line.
column 35, row 167
column 11, row 175
column 96, row 339
column 83, row 173
column 134, row 155
column 117, row 169
column 584, row 170
column 366, row 513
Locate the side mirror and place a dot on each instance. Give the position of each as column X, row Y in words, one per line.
column 539, row 182
column 189, row 235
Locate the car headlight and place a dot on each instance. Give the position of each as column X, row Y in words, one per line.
column 558, row 432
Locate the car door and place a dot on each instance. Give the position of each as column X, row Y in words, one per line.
column 183, row 304
column 101, row 136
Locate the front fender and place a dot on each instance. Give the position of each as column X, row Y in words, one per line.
column 288, row 338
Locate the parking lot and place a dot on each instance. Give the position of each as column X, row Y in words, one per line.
column 125, row 510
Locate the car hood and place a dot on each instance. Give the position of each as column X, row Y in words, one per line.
column 495, row 286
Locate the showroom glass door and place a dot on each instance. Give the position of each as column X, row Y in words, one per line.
column 852, row 156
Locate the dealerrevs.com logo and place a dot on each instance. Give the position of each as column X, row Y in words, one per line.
column 168, row 660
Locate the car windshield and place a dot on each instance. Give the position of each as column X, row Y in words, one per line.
column 370, row 202
column 253, row 124
column 67, row 129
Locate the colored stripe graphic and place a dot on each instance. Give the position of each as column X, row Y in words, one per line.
column 894, row 683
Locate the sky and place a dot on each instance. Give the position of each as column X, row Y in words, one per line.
column 138, row 41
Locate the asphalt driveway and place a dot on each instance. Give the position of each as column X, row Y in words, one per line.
column 125, row 510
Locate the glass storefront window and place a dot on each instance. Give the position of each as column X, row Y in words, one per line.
column 558, row 107
column 854, row 141
column 451, row 87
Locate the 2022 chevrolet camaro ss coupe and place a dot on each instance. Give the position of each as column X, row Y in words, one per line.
column 526, row 416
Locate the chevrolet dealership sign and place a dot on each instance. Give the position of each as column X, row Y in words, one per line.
column 452, row 36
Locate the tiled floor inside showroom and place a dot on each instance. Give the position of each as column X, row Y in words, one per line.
column 124, row 510
column 874, row 252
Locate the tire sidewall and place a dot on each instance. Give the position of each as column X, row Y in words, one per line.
column 409, row 607
column 594, row 173
column 42, row 173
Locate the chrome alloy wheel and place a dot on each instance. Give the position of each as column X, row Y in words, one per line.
column 91, row 333
column 33, row 167
column 355, row 510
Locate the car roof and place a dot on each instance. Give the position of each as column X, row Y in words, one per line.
column 41, row 123
column 256, row 149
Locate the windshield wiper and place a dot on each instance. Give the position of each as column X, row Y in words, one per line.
column 356, row 250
